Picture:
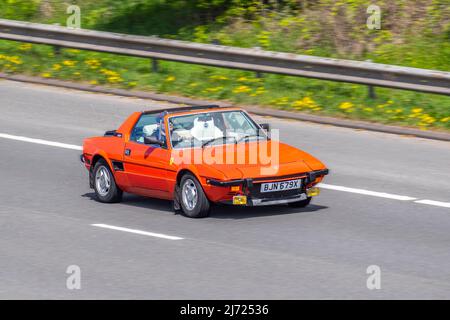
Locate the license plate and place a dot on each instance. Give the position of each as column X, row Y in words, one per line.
column 281, row 186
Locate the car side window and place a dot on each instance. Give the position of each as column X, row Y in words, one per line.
column 148, row 125
column 238, row 120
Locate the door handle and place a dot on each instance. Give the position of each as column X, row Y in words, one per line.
column 127, row 152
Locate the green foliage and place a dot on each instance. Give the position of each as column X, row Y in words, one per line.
column 413, row 33
column 19, row 9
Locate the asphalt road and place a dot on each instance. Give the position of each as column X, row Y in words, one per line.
column 47, row 212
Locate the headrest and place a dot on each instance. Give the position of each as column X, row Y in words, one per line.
column 150, row 129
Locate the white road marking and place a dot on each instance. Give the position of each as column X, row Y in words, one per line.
column 40, row 141
column 321, row 185
column 144, row 233
column 366, row 192
column 434, row 203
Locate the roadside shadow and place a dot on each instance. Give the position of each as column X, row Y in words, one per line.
column 218, row 211
column 231, row 212
column 174, row 17
column 140, row 202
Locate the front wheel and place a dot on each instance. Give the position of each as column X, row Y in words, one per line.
column 300, row 204
column 194, row 203
column 105, row 186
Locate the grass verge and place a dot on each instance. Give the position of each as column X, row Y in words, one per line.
column 397, row 107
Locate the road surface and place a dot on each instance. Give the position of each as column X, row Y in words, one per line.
column 386, row 202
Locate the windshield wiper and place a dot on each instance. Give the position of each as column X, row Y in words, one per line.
column 246, row 137
column 212, row 140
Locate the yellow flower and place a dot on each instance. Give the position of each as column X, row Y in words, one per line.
column 56, row 67
column 306, row 102
column 76, row 74
column 417, row 110
column 259, row 91
column 170, row 79
column 13, row 59
column 281, row 101
column 241, row 89
column 345, row 105
column 93, row 82
column 428, row 119
column 69, row 63
column 46, row 75
column 446, row 119
column 93, row 63
column 112, row 76
column 218, row 77
column 298, row 104
column 214, row 89
column 368, row 109
column 25, row 47
column 109, row 73
column 115, row 79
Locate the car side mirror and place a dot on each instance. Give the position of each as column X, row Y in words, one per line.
column 265, row 126
column 153, row 140
column 113, row 133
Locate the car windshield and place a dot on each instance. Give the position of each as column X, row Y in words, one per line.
column 212, row 128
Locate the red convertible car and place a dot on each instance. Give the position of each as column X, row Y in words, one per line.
column 196, row 156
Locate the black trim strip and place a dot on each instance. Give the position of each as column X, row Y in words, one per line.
column 311, row 176
column 112, row 133
column 117, row 165
column 148, row 166
column 172, row 110
column 297, row 175
column 314, row 174
column 219, row 183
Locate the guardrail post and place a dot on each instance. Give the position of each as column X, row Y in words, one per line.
column 371, row 91
column 155, row 65
column 57, row 50
column 258, row 74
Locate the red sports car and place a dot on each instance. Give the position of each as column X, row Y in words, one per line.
column 196, row 156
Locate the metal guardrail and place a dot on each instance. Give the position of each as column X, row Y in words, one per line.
column 367, row 73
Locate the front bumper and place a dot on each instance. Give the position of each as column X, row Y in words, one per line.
column 250, row 188
column 310, row 177
column 269, row 202
column 256, row 202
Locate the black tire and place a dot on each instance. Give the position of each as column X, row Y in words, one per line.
column 202, row 206
column 109, row 194
column 300, row 204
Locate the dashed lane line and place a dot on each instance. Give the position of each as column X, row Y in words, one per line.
column 140, row 232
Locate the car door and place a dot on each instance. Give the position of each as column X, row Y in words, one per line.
column 146, row 165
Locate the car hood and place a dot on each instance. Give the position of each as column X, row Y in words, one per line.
column 276, row 159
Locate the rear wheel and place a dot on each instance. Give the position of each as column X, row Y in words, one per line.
column 194, row 203
column 300, row 204
column 105, row 186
